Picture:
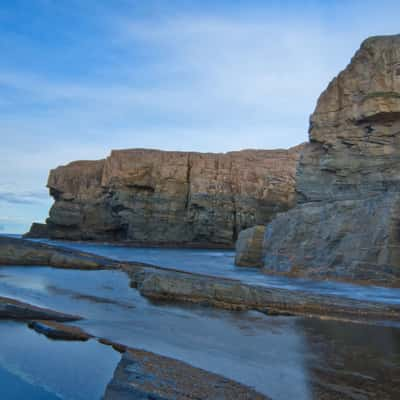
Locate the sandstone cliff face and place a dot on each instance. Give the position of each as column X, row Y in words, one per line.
column 153, row 196
column 354, row 130
column 346, row 224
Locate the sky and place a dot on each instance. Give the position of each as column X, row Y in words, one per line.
column 81, row 77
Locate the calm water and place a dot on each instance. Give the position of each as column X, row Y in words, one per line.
column 221, row 263
column 34, row 367
column 283, row 357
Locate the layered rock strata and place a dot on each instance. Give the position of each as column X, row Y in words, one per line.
column 234, row 295
column 346, row 224
column 160, row 197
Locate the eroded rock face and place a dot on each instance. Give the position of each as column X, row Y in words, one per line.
column 152, row 196
column 249, row 247
column 346, row 224
column 354, row 130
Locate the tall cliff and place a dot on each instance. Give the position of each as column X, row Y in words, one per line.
column 152, row 196
column 347, row 221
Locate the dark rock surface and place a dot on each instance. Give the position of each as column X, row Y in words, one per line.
column 18, row 310
column 57, row 331
column 148, row 376
column 346, row 223
column 230, row 294
column 249, row 247
column 26, row 252
column 151, row 196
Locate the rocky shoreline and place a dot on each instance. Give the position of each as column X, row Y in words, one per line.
column 157, row 283
column 140, row 374
column 25, row 252
column 233, row 295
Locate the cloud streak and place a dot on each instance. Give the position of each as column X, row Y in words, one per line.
column 172, row 75
column 23, row 198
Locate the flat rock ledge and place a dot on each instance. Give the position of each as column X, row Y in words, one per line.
column 144, row 375
column 18, row 310
column 234, row 295
column 57, row 331
column 163, row 284
column 26, row 252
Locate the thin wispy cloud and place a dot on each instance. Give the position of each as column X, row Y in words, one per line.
column 23, row 198
column 184, row 75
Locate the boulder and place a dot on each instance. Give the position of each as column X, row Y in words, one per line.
column 249, row 247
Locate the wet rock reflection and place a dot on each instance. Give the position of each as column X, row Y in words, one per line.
column 352, row 361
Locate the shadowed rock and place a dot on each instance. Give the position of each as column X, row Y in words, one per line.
column 18, row 310
column 249, row 247
column 175, row 198
column 346, row 223
column 57, row 331
column 25, row 252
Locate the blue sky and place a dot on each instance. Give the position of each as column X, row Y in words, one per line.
column 81, row 77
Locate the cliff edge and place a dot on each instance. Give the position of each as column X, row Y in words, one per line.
column 166, row 197
column 346, row 224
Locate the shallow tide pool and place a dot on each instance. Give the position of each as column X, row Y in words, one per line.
column 36, row 368
column 283, row 357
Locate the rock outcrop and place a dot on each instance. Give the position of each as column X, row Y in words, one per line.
column 151, row 196
column 20, row 311
column 249, row 247
column 143, row 375
column 347, row 222
column 25, row 252
column 57, row 331
column 175, row 286
column 158, row 283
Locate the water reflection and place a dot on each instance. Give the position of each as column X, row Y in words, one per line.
column 283, row 357
column 352, row 361
column 263, row 352
column 49, row 369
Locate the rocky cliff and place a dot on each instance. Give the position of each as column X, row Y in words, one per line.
column 152, row 196
column 346, row 223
